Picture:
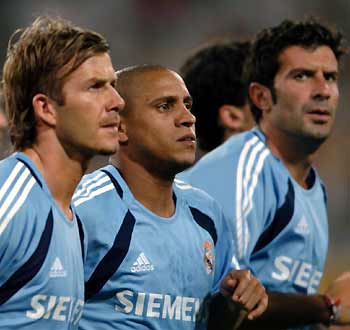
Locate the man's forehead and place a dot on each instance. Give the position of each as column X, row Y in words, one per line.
column 296, row 55
column 97, row 66
column 156, row 82
column 309, row 58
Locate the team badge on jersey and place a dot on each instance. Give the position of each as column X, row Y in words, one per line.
column 208, row 257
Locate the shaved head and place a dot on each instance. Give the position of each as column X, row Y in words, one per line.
column 132, row 81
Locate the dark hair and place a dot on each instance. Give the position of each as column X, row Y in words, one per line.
column 263, row 63
column 39, row 61
column 213, row 76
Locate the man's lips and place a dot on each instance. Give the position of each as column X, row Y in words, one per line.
column 187, row 137
column 111, row 126
column 320, row 111
column 319, row 115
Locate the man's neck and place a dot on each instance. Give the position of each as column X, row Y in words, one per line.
column 61, row 173
column 294, row 154
column 152, row 191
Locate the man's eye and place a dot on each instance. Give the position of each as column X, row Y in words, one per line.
column 331, row 77
column 301, row 76
column 163, row 106
column 95, row 86
column 188, row 105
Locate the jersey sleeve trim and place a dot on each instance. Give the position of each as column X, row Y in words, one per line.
column 32, row 172
column 281, row 219
column 250, row 165
column 113, row 258
column 18, row 193
column 31, row 267
column 117, row 186
column 81, row 236
column 205, row 222
column 92, row 188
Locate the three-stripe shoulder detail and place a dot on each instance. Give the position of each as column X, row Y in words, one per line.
column 92, row 187
column 14, row 192
column 250, row 165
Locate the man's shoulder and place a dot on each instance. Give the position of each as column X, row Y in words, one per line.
column 197, row 198
column 231, row 147
column 99, row 193
column 93, row 187
column 23, row 203
column 242, row 156
column 7, row 166
column 19, row 188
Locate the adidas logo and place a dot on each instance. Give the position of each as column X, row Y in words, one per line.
column 142, row 264
column 57, row 269
column 302, row 227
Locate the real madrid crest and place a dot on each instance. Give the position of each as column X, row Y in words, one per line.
column 208, row 257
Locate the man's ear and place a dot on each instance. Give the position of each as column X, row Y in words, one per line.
column 231, row 117
column 261, row 96
column 44, row 109
column 122, row 132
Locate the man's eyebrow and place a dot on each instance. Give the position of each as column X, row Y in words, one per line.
column 111, row 79
column 171, row 99
column 310, row 70
column 167, row 98
column 301, row 69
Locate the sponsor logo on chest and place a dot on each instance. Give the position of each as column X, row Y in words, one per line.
column 57, row 308
column 301, row 273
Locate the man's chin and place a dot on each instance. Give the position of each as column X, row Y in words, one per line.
column 319, row 136
column 171, row 169
column 108, row 151
column 184, row 165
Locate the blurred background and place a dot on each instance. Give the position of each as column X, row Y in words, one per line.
column 167, row 31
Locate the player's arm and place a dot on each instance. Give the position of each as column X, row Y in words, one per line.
column 288, row 310
column 241, row 295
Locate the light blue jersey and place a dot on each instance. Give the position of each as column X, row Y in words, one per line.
column 41, row 260
column 144, row 271
column 280, row 228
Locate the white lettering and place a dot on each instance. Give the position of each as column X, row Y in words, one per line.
column 314, row 282
column 294, row 269
column 298, row 272
column 284, row 270
column 156, row 305
column 140, row 303
column 39, row 309
column 128, row 306
column 187, row 306
column 171, row 309
column 142, row 268
column 303, row 275
column 61, row 307
column 58, row 308
column 78, row 311
column 197, row 305
column 152, row 304
column 50, row 306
